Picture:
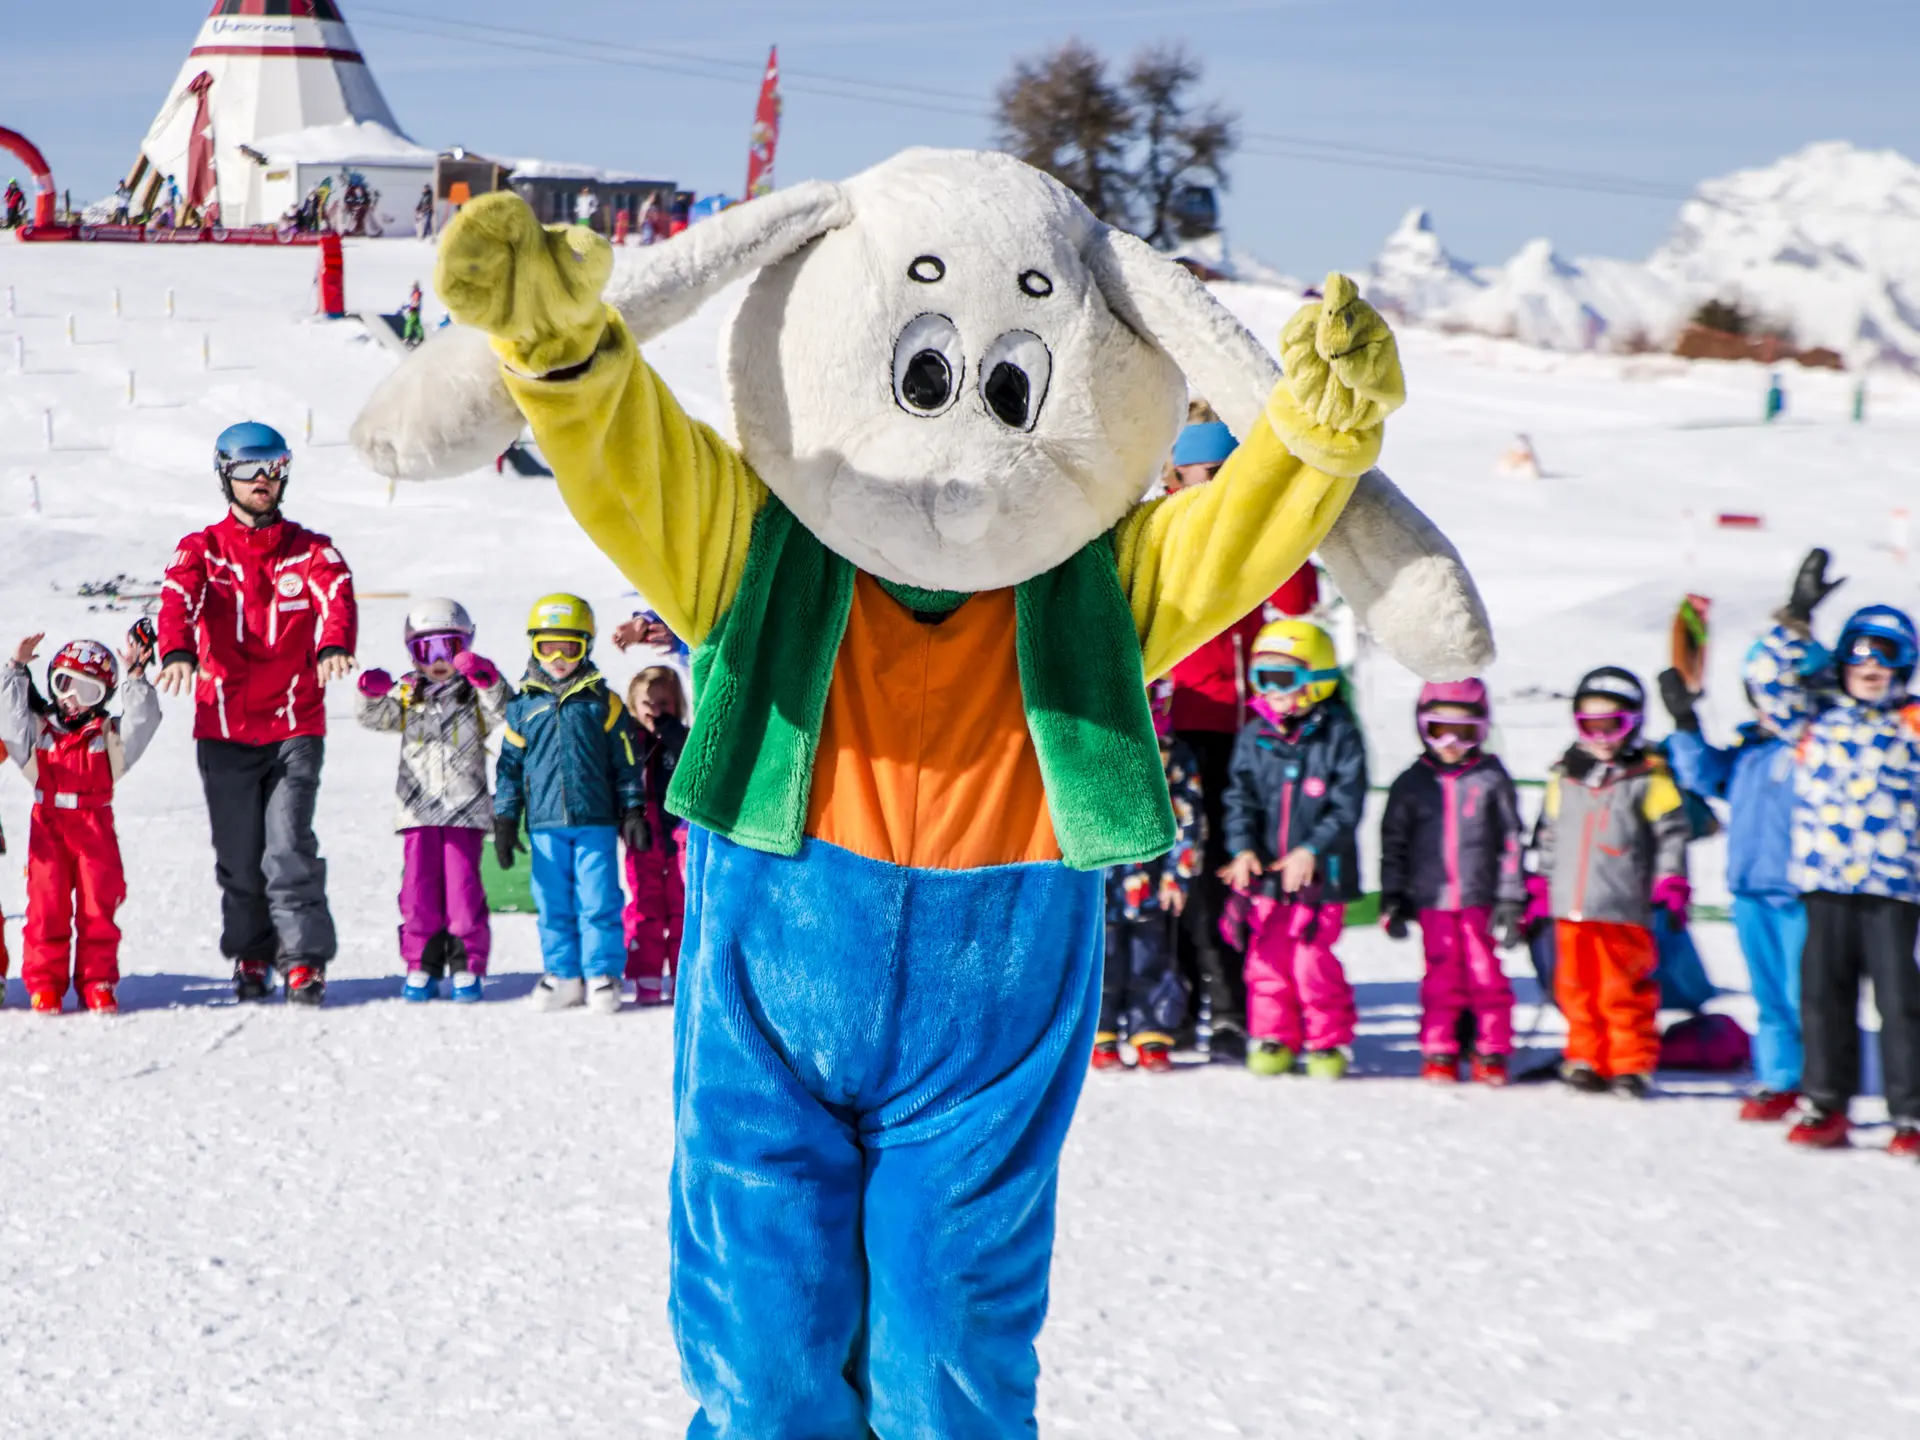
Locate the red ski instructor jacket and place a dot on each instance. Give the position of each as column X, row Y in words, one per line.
column 256, row 610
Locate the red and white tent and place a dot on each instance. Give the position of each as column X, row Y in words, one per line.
column 269, row 86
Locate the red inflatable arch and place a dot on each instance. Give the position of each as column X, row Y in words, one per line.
column 36, row 164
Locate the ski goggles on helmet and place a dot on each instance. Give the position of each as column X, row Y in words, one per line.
column 436, row 648
column 83, row 691
column 560, row 645
column 1888, row 650
column 1608, row 725
column 246, row 471
column 1284, row 679
column 1468, row 730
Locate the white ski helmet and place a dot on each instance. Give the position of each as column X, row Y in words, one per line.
column 438, row 616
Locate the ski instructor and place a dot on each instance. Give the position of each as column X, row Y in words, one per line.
column 257, row 614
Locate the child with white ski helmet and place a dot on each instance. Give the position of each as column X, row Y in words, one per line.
column 1856, row 846
column 74, row 753
column 1299, row 783
column 1611, row 843
column 443, row 710
column 1450, row 846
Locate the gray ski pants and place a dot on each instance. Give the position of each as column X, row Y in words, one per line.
column 273, row 883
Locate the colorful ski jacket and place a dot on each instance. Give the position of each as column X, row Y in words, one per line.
column 1306, row 786
column 569, row 757
column 75, row 768
column 1856, row 821
column 1147, row 888
column 1450, row 837
column 256, row 610
column 1607, row 832
column 443, row 733
column 925, row 729
column 1755, row 776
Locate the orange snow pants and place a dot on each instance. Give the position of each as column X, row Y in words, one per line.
column 1604, row 984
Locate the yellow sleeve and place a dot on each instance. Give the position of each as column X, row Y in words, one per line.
column 1195, row 562
column 1551, row 804
column 1662, row 796
column 664, row 496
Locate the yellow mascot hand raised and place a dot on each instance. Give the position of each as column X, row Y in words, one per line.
column 535, row 289
column 1343, row 379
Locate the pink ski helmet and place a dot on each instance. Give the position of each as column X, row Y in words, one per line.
column 1470, row 694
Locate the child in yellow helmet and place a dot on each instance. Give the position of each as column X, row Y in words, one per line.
column 1299, row 783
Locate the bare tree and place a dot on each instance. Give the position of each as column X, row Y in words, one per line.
column 1180, row 145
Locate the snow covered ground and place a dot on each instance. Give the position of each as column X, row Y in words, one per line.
column 381, row 1220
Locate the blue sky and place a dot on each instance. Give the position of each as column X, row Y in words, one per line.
column 1662, row 94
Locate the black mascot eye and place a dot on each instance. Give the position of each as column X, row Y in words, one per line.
column 927, row 269
column 927, row 382
column 1013, row 378
column 927, row 366
column 1033, row 283
column 1007, row 394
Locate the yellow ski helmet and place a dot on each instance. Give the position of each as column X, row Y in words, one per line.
column 1293, row 662
column 564, row 614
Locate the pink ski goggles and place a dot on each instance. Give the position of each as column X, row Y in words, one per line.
column 1467, row 730
column 1615, row 726
column 436, row 648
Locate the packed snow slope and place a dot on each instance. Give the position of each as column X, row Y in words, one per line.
column 380, row 1220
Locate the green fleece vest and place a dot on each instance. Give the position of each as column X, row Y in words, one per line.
column 761, row 682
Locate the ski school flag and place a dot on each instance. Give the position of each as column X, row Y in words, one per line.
column 766, row 129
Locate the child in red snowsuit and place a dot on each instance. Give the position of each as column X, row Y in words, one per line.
column 73, row 753
column 656, row 883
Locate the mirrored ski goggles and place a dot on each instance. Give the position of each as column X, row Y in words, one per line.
column 438, row 648
column 1614, row 725
column 560, row 646
column 85, row 691
column 246, row 471
column 1285, row 679
column 1884, row 650
column 1468, row 730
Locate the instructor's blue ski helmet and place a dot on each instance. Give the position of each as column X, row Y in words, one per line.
column 1886, row 624
column 244, row 448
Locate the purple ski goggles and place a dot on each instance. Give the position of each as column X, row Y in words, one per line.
column 441, row 646
column 1468, row 730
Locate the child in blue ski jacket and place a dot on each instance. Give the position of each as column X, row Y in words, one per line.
column 1856, row 847
column 1754, row 776
column 567, row 766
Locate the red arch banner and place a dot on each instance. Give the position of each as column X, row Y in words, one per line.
column 36, row 164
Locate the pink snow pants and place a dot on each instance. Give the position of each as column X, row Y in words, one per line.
column 655, row 913
column 1463, row 973
column 1296, row 988
column 440, row 889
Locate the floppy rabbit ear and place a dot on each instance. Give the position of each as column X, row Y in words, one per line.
column 1405, row 581
column 446, row 412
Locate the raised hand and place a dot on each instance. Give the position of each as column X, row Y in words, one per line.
column 1810, row 587
column 534, row 288
column 28, row 650
column 1343, row 378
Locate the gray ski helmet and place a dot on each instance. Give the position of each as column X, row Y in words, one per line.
column 437, row 615
column 1614, row 683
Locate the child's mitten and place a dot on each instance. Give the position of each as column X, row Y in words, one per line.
column 375, row 684
column 480, row 672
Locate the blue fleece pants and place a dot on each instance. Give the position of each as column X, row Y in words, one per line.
column 1773, row 932
column 874, row 1070
column 576, row 889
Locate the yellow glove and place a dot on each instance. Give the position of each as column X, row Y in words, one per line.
column 535, row 289
column 1343, row 380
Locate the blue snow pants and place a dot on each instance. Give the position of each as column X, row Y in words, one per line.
column 576, row 889
column 874, row 1070
column 1773, row 932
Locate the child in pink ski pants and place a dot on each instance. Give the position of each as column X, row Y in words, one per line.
column 656, row 873
column 1297, row 990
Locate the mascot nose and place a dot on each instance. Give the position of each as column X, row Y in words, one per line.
column 963, row 512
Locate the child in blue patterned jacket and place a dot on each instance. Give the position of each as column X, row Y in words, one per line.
column 1856, row 847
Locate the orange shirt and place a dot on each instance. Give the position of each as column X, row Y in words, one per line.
column 925, row 758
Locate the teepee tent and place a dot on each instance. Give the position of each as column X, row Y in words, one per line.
column 276, row 92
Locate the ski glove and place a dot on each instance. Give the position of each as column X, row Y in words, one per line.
column 1539, row 908
column 1395, row 915
column 636, row 830
column 1673, row 894
column 1342, row 380
column 535, row 289
column 144, row 639
column 1810, row 587
column 375, row 684
column 480, row 672
column 506, row 840
column 1507, row 915
column 1679, row 701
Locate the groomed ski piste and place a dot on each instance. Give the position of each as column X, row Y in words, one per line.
column 392, row 1220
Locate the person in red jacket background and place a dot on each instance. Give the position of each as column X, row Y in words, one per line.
column 1210, row 696
column 257, row 614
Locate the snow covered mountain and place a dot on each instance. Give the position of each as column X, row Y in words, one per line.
column 1825, row 242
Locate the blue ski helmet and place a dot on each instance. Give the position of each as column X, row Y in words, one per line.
column 249, row 444
column 1881, row 622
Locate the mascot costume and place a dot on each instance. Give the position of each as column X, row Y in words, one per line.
column 923, row 595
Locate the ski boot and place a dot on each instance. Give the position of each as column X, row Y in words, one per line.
column 1766, row 1106
column 419, row 987
column 306, row 985
column 1818, row 1129
column 100, row 999
column 1490, row 1070
column 1269, row 1057
column 1106, row 1055
column 466, row 988
column 45, row 1001
column 606, row 994
column 555, row 993
column 1905, row 1144
column 1326, row 1064
column 1440, row 1069
column 1579, row 1075
column 1156, row 1057
column 1631, row 1087
column 252, row 980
